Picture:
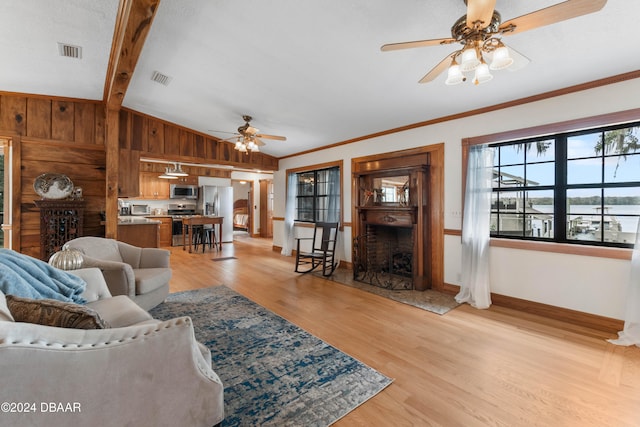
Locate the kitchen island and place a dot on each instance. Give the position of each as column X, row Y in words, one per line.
column 139, row 231
column 187, row 229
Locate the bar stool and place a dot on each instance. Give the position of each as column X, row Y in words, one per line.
column 209, row 231
column 205, row 235
column 197, row 232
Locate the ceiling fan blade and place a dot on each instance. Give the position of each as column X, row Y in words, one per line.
column 435, row 71
column 279, row 138
column 417, row 43
column 231, row 138
column 480, row 11
column 258, row 142
column 552, row 14
column 222, row 131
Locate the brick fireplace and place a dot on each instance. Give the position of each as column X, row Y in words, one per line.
column 391, row 248
column 383, row 257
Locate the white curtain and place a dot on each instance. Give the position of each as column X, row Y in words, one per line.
column 631, row 333
column 474, row 287
column 333, row 195
column 289, row 213
column 333, row 207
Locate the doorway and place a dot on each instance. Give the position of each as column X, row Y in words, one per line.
column 242, row 208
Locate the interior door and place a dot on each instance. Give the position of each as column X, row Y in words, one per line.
column 266, row 208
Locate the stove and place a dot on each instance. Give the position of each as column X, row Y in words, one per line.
column 177, row 212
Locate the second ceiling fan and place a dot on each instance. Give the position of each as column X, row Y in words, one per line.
column 479, row 32
column 249, row 138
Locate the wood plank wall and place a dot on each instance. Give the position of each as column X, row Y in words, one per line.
column 155, row 138
column 61, row 135
column 57, row 136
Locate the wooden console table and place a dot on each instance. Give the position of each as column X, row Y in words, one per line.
column 189, row 222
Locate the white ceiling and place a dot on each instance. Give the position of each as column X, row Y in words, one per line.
column 312, row 71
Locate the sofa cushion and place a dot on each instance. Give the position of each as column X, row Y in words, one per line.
column 120, row 311
column 56, row 313
column 150, row 279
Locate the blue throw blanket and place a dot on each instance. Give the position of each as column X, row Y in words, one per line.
column 28, row 277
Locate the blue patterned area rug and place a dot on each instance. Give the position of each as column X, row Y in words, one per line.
column 274, row 373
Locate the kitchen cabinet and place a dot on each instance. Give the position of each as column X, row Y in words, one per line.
column 153, row 187
column 166, row 230
column 128, row 169
column 144, row 234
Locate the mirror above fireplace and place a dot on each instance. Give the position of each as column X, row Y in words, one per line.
column 392, row 190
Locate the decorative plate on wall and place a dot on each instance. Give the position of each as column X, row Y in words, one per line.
column 53, row 186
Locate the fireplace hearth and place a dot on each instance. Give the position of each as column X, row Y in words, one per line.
column 383, row 257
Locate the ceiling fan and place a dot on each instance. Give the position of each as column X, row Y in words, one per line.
column 480, row 31
column 249, row 138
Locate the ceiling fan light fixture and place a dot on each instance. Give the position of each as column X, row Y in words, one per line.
column 241, row 146
column 454, row 75
column 501, row 58
column 482, row 74
column 469, row 59
column 252, row 146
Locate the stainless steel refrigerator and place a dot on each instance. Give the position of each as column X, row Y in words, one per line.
column 218, row 200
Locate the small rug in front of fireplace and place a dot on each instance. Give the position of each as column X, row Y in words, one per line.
column 433, row 301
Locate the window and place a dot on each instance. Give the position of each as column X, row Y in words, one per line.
column 318, row 195
column 580, row 187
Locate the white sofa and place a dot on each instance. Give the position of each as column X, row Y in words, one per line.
column 138, row 372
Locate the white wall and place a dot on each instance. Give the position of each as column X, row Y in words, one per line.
column 587, row 284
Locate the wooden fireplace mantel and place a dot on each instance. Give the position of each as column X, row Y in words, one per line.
column 390, row 216
column 411, row 212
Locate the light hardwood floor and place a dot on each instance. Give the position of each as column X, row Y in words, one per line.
column 468, row 367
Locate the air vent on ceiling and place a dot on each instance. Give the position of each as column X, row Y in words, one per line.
column 158, row 77
column 69, row 50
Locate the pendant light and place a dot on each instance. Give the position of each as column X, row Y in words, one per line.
column 176, row 171
column 167, row 175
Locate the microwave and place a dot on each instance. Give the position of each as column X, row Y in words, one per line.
column 139, row 210
column 182, row 191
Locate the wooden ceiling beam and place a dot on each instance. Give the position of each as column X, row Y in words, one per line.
column 133, row 22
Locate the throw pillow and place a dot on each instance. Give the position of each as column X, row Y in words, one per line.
column 51, row 312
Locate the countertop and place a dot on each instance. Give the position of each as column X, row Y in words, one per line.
column 136, row 220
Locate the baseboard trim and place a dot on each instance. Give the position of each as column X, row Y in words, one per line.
column 579, row 318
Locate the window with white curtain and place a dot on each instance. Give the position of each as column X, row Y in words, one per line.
column 318, row 195
column 575, row 187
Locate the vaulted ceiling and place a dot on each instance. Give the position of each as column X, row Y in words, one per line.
column 311, row 71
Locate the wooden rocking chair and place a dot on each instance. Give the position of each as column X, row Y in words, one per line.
column 323, row 245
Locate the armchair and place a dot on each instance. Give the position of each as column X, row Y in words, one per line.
column 142, row 274
column 140, row 371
